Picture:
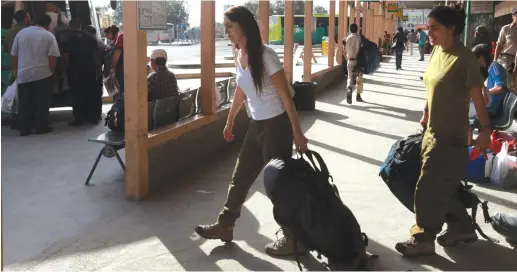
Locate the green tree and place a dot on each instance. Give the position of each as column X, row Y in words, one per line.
column 321, row 10
column 177, row 12
column 299, row 7
column 118, row 14
column 277, row 7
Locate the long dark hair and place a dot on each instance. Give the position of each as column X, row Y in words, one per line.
column 254, row 45
column 483, row 51
column 449, row 16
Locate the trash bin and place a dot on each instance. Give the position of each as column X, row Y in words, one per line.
column 304, row 95
column 325, row 46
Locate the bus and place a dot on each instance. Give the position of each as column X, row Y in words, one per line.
column 84, row 11
column 320, row 23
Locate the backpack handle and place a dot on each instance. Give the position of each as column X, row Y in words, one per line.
column 323, row 167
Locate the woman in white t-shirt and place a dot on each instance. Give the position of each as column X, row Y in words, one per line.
column 262, row 85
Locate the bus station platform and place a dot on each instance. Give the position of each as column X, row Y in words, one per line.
column 52, row 222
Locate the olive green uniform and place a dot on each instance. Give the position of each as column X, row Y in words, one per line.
column 448, row 80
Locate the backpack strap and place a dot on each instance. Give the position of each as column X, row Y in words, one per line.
column 323, row 167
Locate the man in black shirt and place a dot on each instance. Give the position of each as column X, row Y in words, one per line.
column 80, row 51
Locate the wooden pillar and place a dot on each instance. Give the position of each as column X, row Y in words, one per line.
column 207, row 90
column 358, row 13
column 345, row 19
column 135, row 104
column 264, row 20
column 341, row 32
column 18, row 5
column 307, row 41
column 352, row 15
column 332, row 31
column 288, row 38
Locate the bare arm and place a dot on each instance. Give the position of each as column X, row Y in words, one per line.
column 497, row 51
column 496, row 90
column 15, row 65
column 52, row 63
column 238, row 100
column 116, row 56
column 479, row 102
column 280, row 82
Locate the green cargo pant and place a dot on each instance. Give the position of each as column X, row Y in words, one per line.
column 443, row 166
column 264, row 140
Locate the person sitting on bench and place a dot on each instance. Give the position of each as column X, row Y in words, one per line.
column 161, row 83
column 495, row 89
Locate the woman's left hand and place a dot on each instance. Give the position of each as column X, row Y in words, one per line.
column 300, row 141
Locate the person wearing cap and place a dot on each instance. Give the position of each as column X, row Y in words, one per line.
column 506, row 50
column 161, row 83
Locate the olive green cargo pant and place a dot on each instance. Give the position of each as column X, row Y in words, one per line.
column 443, row 166
column 264, row 140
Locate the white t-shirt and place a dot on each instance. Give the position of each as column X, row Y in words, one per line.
column 266, row 104
column 33, row 45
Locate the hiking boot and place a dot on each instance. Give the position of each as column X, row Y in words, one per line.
column 349, row 95
column 215, row 231
column 414, row 248
column 284, row 246
column 452, row 238
column 358, row 98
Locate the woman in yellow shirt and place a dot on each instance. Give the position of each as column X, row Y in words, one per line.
column 451, row 79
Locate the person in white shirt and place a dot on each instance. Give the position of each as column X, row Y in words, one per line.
column 353, row 42
column 262, row 83
column 34, row 55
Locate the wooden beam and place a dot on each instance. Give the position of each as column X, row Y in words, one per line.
column 332, row 31
column 358, row 13
column 345, row 18
column 135, row 104
column 288, row 38
column 207, row 90
column 264, row 20
column 307, row 41
column 352, row 15
column 341, row 32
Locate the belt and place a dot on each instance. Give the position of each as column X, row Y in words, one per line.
column 352, row 59
column 506, row 54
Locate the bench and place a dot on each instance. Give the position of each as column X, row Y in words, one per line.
column 504, row 120
column 163, row 112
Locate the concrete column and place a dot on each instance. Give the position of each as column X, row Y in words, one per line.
column 207, row 90
column 135, row 104
column 264, row 20
column 307, row 41
column 288, row 38
column 341, row 32
column 332, row 31
column 18, row 5
column 345, row 19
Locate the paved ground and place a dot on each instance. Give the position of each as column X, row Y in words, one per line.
column 53, row 223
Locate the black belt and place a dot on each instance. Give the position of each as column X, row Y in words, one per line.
column 352, row 59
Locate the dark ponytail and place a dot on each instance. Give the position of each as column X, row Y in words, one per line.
column 450, row 16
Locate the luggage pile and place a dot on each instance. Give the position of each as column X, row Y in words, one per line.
column 369, row 57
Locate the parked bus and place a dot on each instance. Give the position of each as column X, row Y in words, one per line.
column 320, row 24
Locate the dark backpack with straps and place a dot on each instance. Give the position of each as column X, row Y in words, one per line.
column 307, row 202
column 401, row 170
column 115, row 116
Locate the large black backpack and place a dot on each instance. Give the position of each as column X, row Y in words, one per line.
column 401, row 170
column 307, row 202
column 115, row 116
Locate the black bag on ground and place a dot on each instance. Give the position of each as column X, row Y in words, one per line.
column 115, row 117
column 401, row 170
column 307, row 202
column 506, row 225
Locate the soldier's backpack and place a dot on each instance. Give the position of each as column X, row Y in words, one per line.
column 307, row 202
column 115, row 117
column 401, row 170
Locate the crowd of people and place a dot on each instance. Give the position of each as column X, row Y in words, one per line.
column 72, row 57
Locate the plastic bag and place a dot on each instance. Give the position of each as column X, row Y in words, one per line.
column 9, row 98
column 498, row 138
column 111, row 84
column 504, row 168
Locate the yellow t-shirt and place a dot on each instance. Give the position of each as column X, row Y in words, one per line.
column 448, row 80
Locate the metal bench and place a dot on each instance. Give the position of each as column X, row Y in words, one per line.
column 113, row 142
column 504, row 120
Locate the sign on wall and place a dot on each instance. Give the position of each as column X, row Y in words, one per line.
column 393, row 7
column 405, row 18
column 152, row 15
column 477, row 7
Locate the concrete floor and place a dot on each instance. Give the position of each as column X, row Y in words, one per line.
column 53, row 222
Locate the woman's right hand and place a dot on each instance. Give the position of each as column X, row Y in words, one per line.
column 228, row 132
